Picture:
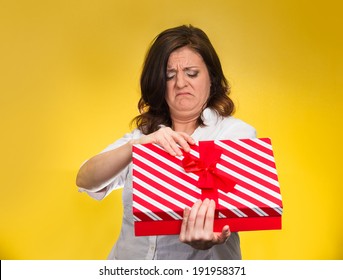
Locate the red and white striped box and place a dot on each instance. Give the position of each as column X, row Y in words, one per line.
column 240, row 175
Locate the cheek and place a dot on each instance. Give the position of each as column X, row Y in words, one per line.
column 206, row 88
column 168, row 93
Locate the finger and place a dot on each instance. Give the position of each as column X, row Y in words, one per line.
column 168, row 144
column 209, row 219
column 176, row 143
column 201, row 216
column 186, row 136
column 191, row 219
column 170, row 140
column 186, row 139
column 225, row 234
column 182, row 142
column 169, row 149
column 182, row 236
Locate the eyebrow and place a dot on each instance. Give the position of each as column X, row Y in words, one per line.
column 184, row 69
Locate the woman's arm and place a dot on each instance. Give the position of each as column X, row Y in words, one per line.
column 104, row 166
column 107, row 165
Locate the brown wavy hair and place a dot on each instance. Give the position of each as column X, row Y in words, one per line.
column 152, row 105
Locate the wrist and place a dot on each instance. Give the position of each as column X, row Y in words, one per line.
column 133, row 142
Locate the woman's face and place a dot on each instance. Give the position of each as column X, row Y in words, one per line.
column 188, row 84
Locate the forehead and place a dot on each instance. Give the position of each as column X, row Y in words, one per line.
column 185, row 56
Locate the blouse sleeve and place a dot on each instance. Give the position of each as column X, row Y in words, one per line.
column 237, row 129
column 116, row 182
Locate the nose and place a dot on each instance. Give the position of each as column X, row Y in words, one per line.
column 180, row 80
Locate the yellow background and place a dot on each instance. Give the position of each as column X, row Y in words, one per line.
column 69, row 72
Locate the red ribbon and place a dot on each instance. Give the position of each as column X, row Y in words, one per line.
column 205, row 167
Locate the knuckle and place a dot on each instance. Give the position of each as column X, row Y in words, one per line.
column 201, row 215
column 208, row 237
column 197, row 237
column 191, row 219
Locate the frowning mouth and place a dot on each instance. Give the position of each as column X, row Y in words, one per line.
column 182, row 93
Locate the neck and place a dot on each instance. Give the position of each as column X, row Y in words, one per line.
column 187, row 126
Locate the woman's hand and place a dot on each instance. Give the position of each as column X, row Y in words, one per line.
column 169, row 140
column 197, row 226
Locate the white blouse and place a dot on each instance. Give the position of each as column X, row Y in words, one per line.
column 128, row 246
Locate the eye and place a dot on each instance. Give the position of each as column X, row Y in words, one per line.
column 170, row 75
column 192, row 73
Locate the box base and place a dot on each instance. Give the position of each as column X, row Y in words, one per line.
column 236, row 224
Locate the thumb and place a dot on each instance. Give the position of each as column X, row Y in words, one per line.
column 224, row 235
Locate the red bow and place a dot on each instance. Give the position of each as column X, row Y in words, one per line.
column 205, row 167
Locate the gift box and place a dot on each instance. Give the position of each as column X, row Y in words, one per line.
column 240, row 175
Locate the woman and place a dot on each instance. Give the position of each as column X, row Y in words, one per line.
column 184, row 99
